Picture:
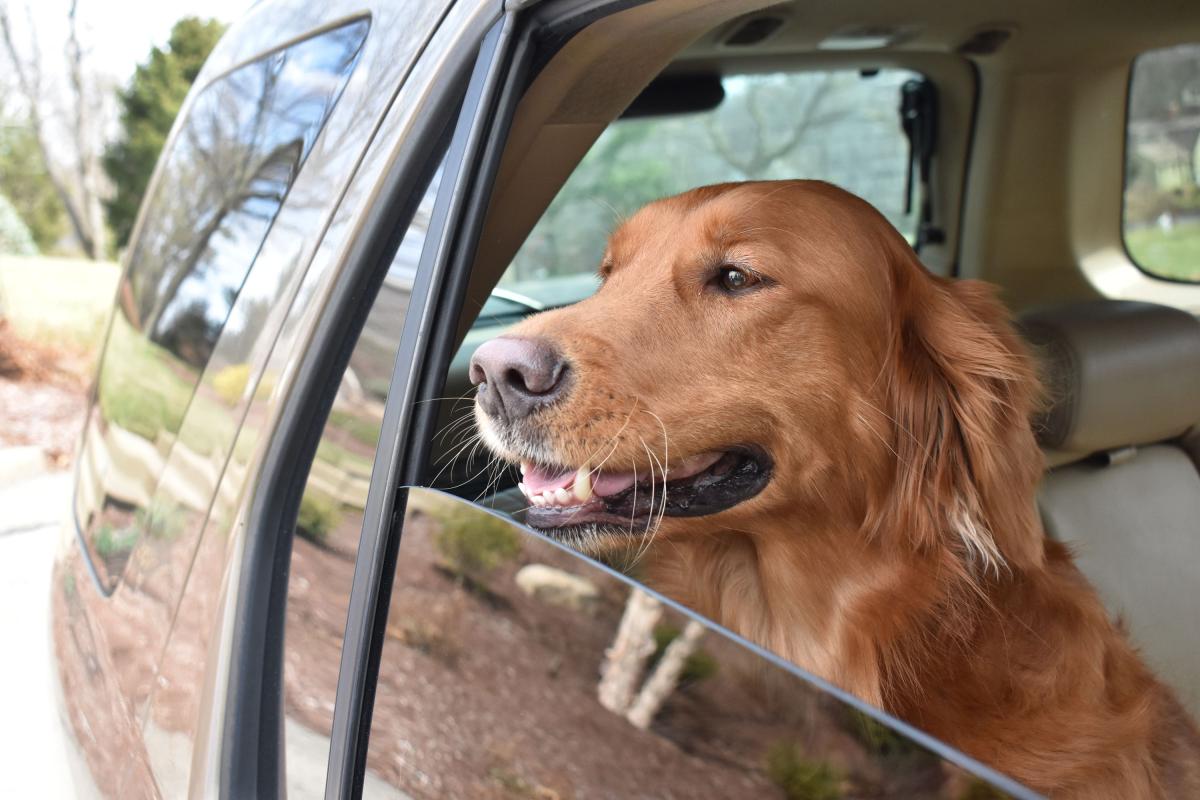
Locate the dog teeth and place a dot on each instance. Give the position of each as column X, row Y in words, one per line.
column 524, row 489
column 524, row 467
column 562, row 496
column 583, row 483
column 538, row 500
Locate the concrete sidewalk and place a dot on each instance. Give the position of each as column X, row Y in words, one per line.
column 33, row 752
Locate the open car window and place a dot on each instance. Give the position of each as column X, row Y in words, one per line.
column 514, row 667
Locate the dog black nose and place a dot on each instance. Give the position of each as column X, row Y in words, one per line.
column 517, row 376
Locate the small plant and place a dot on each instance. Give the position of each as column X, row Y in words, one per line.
column 112, row 542
column 798, row 777
column 318, row 516
column 697, row 667
column 472, row 544
column 876, row 737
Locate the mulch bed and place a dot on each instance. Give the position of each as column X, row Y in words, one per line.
column 43, row 396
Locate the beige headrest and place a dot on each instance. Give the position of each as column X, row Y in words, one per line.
column 1118, row 373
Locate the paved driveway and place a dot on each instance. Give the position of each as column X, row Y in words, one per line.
column 34, row 758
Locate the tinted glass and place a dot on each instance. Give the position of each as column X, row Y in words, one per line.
column 1162, row 163
column 222, row 185
column 330, row 519
column 513, row 667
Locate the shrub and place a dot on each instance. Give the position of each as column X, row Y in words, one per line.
column 472, row 544
column 318, row 516
column 800, row 778
column 876, row 737
column 230, row 383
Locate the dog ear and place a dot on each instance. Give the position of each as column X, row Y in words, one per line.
column 963, row 390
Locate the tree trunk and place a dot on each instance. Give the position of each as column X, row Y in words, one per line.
column 626, row 659
column 88, row 173
column 666, row 675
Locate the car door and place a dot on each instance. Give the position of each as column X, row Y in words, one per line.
column 478, row 658
column 274, row 155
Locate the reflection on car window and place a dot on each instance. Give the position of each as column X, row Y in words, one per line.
column 512, row 667
column 1162, row 163
column 840, row 126
column 330, row 519
column 222, row 185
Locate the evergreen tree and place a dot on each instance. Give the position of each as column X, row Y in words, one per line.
column 148, row 108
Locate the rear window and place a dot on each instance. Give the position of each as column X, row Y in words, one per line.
column 1162, row 164
column 221, row 186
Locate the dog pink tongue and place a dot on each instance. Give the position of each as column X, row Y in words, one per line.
column 538, row 479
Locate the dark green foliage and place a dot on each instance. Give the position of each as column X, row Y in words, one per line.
column 26, row 183
column 798, row 777
column 877, row 738
column 698, row 666
column 148, row 108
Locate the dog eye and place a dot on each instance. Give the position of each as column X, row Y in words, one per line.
column 735, row 279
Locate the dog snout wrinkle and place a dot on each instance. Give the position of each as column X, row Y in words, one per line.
column 516, row 377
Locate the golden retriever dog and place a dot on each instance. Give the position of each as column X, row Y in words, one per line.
column 827, row 449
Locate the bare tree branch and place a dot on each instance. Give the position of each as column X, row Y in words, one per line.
column 626, row 659
column 88, row 163
column 79, row 193
column 665, row 677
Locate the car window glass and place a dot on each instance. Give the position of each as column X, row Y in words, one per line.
column 1162, row 163
column 221, row 187
column 513, row 667
column 840, row 126
column 330, row 520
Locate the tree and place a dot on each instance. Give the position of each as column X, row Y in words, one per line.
column 28, row 186
column 74, row 170
column 148, row 107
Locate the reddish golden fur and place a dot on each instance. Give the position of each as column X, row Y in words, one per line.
column 897, row 550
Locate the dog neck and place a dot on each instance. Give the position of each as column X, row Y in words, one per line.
column 802, row 596
column 832, row 601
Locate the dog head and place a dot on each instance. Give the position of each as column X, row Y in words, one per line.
column 768, row 350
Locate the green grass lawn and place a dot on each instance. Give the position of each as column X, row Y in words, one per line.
column 61, row 301
column 1169, row 254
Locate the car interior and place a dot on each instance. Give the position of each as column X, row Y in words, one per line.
column 998, row 137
